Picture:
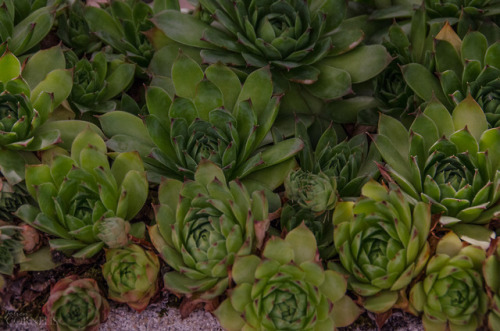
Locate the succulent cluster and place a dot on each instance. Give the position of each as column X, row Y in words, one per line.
column 285, row 164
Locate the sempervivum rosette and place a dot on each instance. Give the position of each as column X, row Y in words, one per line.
column 85, row 202
column 382, row 243
column 202, row 225
column 132, row 275
column 286, row 289
column 207, row 114
column 452, row 295
column 459, row 67
column 75, row 304
column 449, row 160
column 28, row 95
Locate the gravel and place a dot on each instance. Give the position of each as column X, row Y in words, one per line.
column 155, row 317
column 163, row 318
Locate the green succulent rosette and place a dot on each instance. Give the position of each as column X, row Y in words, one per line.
column 202, row 226
column 448, row 160
column 452, row 295
column 11, row 247
column 316, row 192
column 73, row 30
column 382, row 243
column 11, row 198
column 132, row 275
column 312, row 55
column 350, row 162
column 207, row 115
column 97, row 82
column 28, row 95
column 75, row 304
column 123, row 26
column 461, row 67
column 286, row 289
column 80, row 194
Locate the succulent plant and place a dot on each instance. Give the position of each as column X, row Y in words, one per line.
column 73, row 30
column 81, row 194
column 286, row 289
column 349, row 162
column 97, row 82
column 310, row 53
column 202, row 226
column 28, row 95
column 211, row 117
column 414, row 46
column 450, row 161
column 25, row 23
column 464, row 66
column 75, row 304
column 122, row 24
column 382, row 243
column 316, row 192
column 452, row 293
column 491, row 269
column 469, row 14
column 11, row 198
column 11, row 247
column 132, row 275
column 327, row 170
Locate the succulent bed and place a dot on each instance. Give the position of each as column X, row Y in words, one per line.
column 282, row 164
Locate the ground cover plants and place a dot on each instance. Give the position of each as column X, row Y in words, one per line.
column 285, row 165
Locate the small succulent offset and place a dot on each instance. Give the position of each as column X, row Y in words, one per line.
column 452, row 294
column 491, row 270
column 11, row 247
column 83, row 200
column 464, row 66
column 382, row 243
column 286, row 289
column 308, row 50
column 132, row 275
column 75, row 304
column 202, row 226
column 97, row 82
column 449, row 160
column 316, row 192
column 207, row 115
